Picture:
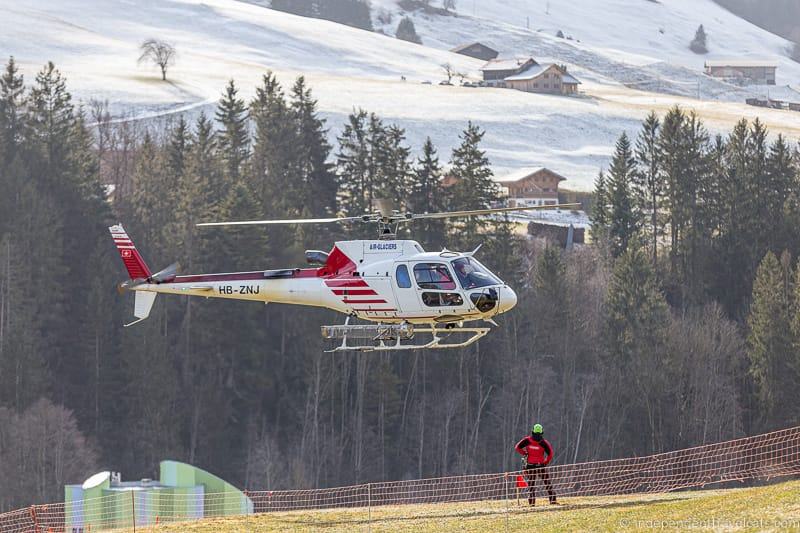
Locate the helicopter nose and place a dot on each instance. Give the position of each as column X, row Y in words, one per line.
column 508, row 299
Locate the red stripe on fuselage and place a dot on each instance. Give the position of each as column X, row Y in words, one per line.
column 354, row 292
column 350, row 282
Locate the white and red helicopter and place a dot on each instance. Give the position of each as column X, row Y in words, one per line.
column 402, row 290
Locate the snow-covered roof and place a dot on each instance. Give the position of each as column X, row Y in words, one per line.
column 469, row 45
column 507, row 64
column 529, row 73
column 742, row 63
column 534, row 71
column 523, row 173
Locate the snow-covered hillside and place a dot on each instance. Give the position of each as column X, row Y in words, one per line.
column 642, row 43
column 95, row 44
column 637, row 31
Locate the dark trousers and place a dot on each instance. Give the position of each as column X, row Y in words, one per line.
column 531, row 473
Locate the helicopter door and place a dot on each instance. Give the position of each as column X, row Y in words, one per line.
column 407, row 299
column 437, row 290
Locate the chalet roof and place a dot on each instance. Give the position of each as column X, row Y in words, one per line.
column 534, row 71
column 523, row 173
column 529, row 73
column 569, row 78
column 463, row 47
column 507, row 64
column 733, row 62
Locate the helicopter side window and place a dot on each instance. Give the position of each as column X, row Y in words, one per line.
column 442, row 299
column 402, row 277
column 472, row 274
column 434, row 276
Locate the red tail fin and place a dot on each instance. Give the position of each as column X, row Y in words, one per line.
column 137, row 268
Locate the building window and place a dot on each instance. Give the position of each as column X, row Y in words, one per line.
column 403, row 278
column 536, row 85
column 434, row 276
column 546, row 85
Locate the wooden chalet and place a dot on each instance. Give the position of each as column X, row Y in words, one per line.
column 530, row 187
column 497, row 70
column 743, row 71
column 529, row 76
column 476, row 50
column 550, row 79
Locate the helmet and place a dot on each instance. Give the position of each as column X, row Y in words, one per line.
column 537, row 428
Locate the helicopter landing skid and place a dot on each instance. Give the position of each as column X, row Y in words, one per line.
column 391, row 337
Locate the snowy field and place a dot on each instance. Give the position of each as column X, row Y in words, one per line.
column 95, row 44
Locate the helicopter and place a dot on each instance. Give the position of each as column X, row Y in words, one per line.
column 406, row 294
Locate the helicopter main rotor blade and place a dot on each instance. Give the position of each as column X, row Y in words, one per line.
column 288, row 221
column 490, row 211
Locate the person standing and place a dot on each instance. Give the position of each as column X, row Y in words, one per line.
column 537, row 453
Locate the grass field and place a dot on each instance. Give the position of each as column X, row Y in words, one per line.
column 770, row 508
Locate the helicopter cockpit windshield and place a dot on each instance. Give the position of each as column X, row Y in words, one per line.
column 472, row 274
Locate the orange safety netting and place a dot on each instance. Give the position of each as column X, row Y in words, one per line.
column 764, row 456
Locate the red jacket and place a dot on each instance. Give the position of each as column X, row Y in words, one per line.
column 536, row 452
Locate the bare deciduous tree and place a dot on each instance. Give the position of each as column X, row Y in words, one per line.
column 41, row 449
column 449, row 71
column 160, row 53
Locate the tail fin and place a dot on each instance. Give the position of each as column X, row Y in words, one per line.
column 142, row 306
column 137, row 268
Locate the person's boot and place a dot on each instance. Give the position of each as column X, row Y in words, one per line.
column 532, row 501
column 553, row 500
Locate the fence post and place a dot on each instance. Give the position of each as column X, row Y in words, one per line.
column 133, row 511
column 369, row 507
column 506, row 491
column 35, row 519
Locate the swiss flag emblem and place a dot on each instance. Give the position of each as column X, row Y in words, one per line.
column 126, row 254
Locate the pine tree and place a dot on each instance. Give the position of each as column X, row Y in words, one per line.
column 154, row 198
column 698, row 44
column 695, row 234
column 319, row 187
column 600, row 208
column 648, row 182
column 770, row 343
column 12, row 112
column 407, row 32
column 783, row 175
column 395, row 168
column 623, row 219
column 52, row 121
column 274, row 166
column 636, row 315
column 473, row 188
column 178, row 148
column 734, row 243
column 427, row 194
column 373, row 164
column 549, row 283
column 233, row 140
column 354, row 165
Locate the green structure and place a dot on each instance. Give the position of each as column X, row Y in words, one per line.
column 183, row 492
